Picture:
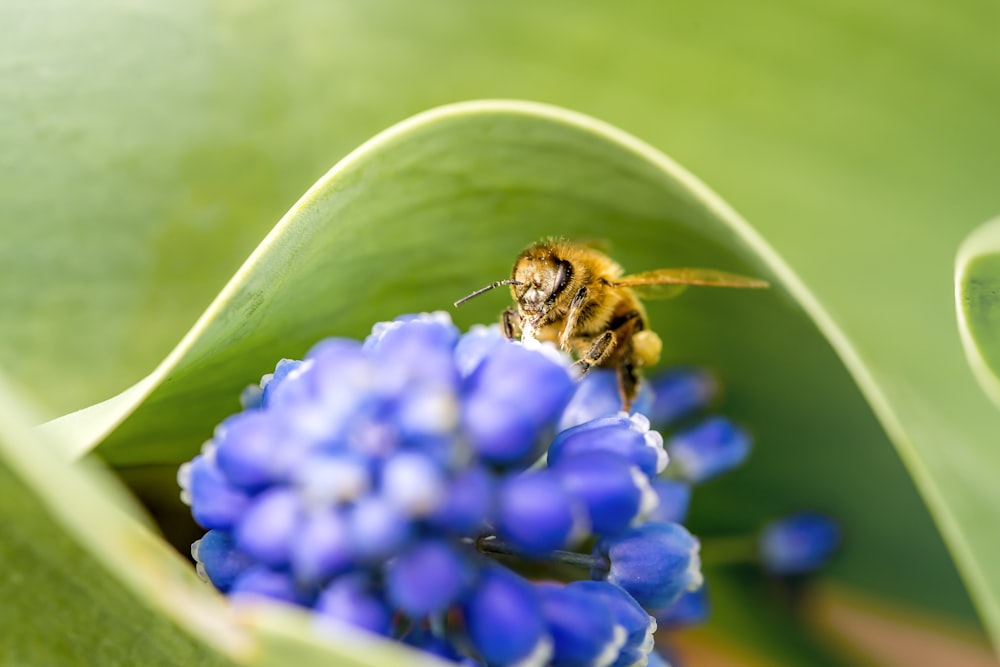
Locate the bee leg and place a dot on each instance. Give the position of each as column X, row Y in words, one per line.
column 572, row 315
column 628, row 384
column 510, row 322
column 600, row 349
column 629, row 326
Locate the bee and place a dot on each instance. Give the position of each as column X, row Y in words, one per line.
column 572, row 294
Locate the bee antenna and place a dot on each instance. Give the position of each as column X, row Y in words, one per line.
column 485, row 289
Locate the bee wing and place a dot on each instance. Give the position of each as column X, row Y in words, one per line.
column 666, row 283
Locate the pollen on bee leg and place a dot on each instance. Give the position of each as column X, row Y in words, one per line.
column 647, row 346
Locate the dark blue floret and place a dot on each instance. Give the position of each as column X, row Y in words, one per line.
column 352, row 599
column 798, row 544
column 504, row 621
column 510, row 399
column 269, row 527
column 709, row 449
column 215, row 502
column 469, row 502
column 629, row 437
column 413, row 483
column 614, row 492
column 597, row 395
column 535, row 513
column 377, row 528
column 246, row 453
column 584, row 631
column 322, row 546
column 655, row 562
column 261, row 581
column 427, row 578
column 679, row 393
column 673, row 498
column 271, row 384
column 475, row 346
column 639, row 626
column 218, row 558
column 691, row 608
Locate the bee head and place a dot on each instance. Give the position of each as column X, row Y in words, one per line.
column 538, row 281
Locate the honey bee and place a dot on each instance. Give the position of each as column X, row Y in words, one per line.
column 571, row 294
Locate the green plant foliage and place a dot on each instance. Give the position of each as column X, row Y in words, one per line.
column 85, row 583
column 977, row 295
column 440, row 205
column 148, row 148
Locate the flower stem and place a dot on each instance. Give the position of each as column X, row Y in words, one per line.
column 492, row 545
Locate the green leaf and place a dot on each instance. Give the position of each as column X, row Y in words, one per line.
column 441, row 204
column 977, row 295
column 860, row 138
column 86, row 581
column 73, row 595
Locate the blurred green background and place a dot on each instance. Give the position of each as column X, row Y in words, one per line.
column 147, row 149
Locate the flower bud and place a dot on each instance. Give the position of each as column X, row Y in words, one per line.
column 655, row 563
column 626, row 436
column 710, row 449
column 504, row 621
column 798, row 544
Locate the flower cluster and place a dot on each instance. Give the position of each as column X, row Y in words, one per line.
column 406, row 485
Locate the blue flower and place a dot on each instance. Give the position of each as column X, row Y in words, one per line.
column 322, row 547
column 798, row 544
column 354, row 600
column 583, row 633
column 679, row 393
column 218, row 559
column 269, row 526
column 427, row 578
column 536, row 514
column 468, row 503
column 215, row 501
column 673, row 498
column 638, row 625
column 504, row 621
column 504, row 411
column 261, row 581
column 401, row 485
column 627, row 436
column 614, row 492
column 709, row 449
column 597, row 395
column 691, row 608
column 655, row 562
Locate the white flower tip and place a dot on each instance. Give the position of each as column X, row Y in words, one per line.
column 694, row 575
column 184, row 476
column 484, row 330
column 609, row 655
column 648, row 499
column 539, row 656
column 208, row 450
column 640, row 422
column 440, row 316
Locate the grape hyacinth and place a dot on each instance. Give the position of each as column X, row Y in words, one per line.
column 407, row 485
